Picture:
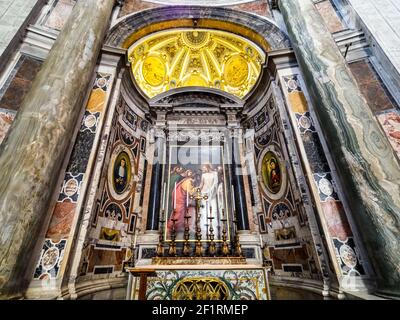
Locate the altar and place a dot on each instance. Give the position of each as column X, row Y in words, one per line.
column 199, row 282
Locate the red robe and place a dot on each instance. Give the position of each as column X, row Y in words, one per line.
column 182, row 189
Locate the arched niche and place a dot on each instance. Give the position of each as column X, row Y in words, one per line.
column 260, row 30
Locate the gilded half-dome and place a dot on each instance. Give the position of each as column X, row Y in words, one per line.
column 196, row 57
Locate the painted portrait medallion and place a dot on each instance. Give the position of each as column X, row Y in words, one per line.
column 236, row 71
column 122, row 172
column 154, row 71
column 271, row 172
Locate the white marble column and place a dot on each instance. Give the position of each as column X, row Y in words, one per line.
column 34, row 150
column 365, row 161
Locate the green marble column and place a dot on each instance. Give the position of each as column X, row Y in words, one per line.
column 365, row 161
column 34, row 150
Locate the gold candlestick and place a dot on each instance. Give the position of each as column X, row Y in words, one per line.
column 186, row 245
column 160, row 246
column 237, row 249
column 212, row 249
column 172, row 245
column 198, row 251
column 225, row 247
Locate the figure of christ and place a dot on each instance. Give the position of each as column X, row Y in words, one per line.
column 208, row 187
column 181, row 199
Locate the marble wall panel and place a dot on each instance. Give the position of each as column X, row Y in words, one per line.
column 132, row 6
column 330, row 16
column 19, row 83
column 282, row 220
column 334, row 216
column 291, row 256
column 61, row 221
column 102, row 258
column 6, row 119
column 336, row 219
column 259, row 7
column 59, row 14
column 390, row 122
column 114, row 220
column 69, row 195
column 371, row 86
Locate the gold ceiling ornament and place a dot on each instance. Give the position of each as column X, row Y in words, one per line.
column 178, row 58
column 200, row 288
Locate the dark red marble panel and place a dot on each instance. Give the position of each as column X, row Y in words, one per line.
column 371, row 86
column 259, row 7
column 131, row 6
column 21, row 83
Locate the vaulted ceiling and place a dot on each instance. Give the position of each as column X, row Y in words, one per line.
column 180, row 58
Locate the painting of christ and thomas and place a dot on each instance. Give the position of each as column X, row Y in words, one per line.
column 195, row 172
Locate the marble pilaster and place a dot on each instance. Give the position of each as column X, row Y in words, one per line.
column 153, row 215
column 33, row 152
column 366, row 164
column 242, row 216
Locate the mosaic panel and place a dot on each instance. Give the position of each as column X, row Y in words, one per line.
column 50, row 260
column 348, row 257
column 240, row 284
column 65, row 208
column 114, row 220
column 283, row 220
column 334, row 213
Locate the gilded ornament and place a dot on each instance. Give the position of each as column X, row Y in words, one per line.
column 195, row 57
column 154, row 71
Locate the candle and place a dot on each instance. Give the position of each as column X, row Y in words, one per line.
column 134, row 241
column 187, row 198
column 163, row 197
column 175, row 196
column 261, row 241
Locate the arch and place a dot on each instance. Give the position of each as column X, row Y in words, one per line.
column 260, row 30
column 209, row 96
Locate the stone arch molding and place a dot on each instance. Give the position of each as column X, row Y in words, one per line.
column 260, row 30
column 196, row 2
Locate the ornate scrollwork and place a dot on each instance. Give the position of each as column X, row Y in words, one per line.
column 204, row 288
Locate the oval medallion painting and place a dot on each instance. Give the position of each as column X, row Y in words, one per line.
column 154, row 71
column 271, row 172
column 236, row 71
column 122, row 173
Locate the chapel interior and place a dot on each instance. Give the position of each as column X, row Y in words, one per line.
column 199, row 150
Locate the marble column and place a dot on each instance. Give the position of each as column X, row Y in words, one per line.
column 153, row 215
column 368, row 169
column 238, row 186
column 34, row 150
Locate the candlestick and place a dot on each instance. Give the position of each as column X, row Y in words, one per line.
column 175, row 196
